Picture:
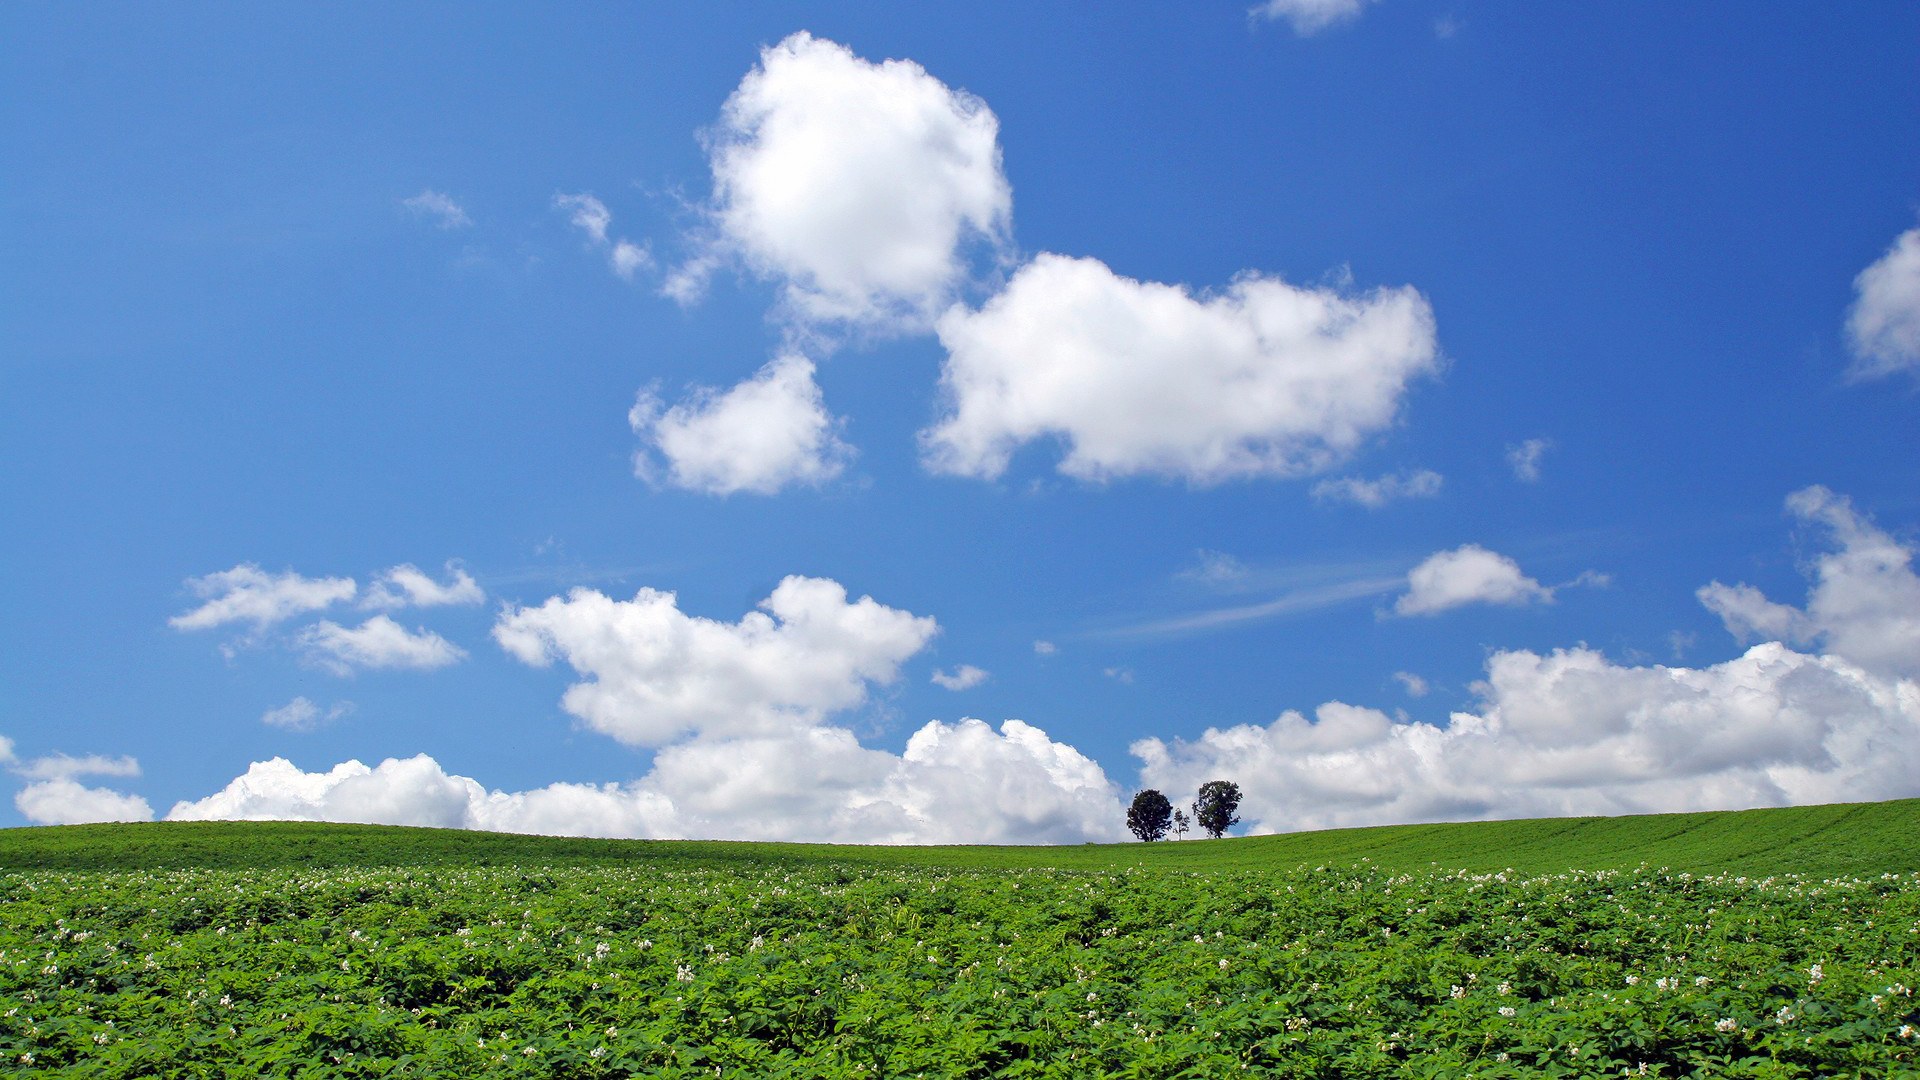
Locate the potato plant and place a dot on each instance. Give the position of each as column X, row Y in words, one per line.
column 841, row 971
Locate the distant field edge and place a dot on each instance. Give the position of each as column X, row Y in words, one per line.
column 1838, row 839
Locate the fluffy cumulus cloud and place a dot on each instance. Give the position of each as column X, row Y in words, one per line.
column 1883, row 326
column 1573, row 733
column 857, row 186
column 769, row 432
column 1143, row 378
column 378, row 643
column 1864, row 605
column 1308, row 17
column 652, row 673
column 407, row 585
column 1378, row 492
column 249, row 594
column 1469, row 574
column 56, row 796
column 961, row 782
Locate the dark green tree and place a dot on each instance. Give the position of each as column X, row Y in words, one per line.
column 1149, row 815
column 1216, row 808
column 1180, row 824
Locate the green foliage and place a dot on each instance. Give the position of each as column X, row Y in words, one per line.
column 1836, row 840
column 1150, row 815
column 835, row 970
column 1216, row 808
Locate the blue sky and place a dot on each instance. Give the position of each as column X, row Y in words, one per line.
column 862, row 423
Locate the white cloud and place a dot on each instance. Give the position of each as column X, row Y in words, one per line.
column 964, row 677
column 56, row 798
column 248, row 594
column 652, row 673
column 1373, row 494
column 954, row 783
column 406, row 585
column 587, row 214
column 1572, row 733
column 1121, row 675
column 1214, row 568
column 1142, row 378
column 67, row 802
column 1414, row 685
column 1864, row 605
column 302, row 715
column 377, row 643
column 1469, row 574
column 857, row 186
column 591, row 216
column 1524, row 459
column 439, row 206
column 1309, row 17
column 629, row 258
column 1045, row 648
column 766, row 433
column 1883, row 326
column 66, row 767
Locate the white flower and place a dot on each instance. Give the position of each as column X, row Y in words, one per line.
column 1726, row 1024
column 1457, row 992
column 1507, row 1011
column 683, row 973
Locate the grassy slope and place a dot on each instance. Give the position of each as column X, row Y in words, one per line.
column 1848, row 838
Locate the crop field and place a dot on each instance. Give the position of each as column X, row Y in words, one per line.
column 700, row 961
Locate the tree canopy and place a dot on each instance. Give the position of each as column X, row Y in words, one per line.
column 1149, row 815
column 1216, row 809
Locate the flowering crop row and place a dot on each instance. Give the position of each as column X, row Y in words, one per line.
column 843, row 972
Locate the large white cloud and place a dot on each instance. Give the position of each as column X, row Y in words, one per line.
column 68, row 802
column 653, row 673
column 249, row 594
column 1865, row 601
column 1883, row 325
column 56, row 798
column 857, row 186
column 1573, row 733
column 1469, row 574
column 1262, row 379
column 377, row 643
column 961, row 782
column 769, row 432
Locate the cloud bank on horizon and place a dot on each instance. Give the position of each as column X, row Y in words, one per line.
column 871, row 203
column 743, row 714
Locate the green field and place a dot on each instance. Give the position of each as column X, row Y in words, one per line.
column 1848, row 838
column 1766, row 943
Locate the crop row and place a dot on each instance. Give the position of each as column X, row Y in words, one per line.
column 1350, row 972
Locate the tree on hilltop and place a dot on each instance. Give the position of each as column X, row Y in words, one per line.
column 1149, row 815
column 1216, row 808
